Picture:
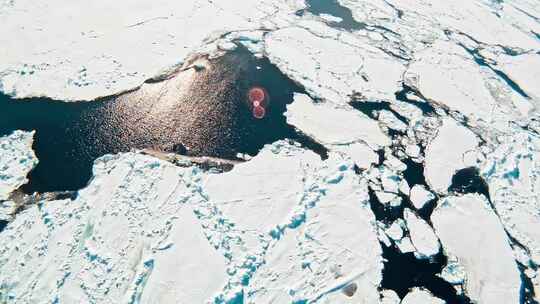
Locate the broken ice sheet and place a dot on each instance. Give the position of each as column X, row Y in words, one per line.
column 335, row 248
column 117, row 241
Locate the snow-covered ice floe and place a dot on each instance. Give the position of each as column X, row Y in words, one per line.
column 17, row 159
column 428, row 110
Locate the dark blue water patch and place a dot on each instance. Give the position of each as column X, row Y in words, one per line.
column 469, row 180
column 332, row 7
column 480, row 60
column 414, row 174
column 403, row 271
column 3, row 225
column 527, row 293
column 210, row 118
column 371, row 107
column 383, row 213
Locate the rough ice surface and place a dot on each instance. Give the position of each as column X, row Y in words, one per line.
column 471, row 231
column 123, row 239
column 147, row 230
column 420, row 296
column 454, row 84
column 16, row 161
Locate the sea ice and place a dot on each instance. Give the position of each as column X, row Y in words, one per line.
column 16, row 161
column 470, row 231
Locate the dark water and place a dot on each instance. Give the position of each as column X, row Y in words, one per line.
column 332, row 7
column 403, row 271
column 206, row 114
column 468, row 180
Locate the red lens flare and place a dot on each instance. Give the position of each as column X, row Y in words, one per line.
column 256, row 94
column 259, row 112
column 259, row 100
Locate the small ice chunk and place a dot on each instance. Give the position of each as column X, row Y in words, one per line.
column 405, row 245
column 391, row 121
column 394, row 163
column 227, row 46
column 389, row 297
column 330, row 18
column 404, row 187
column 453, row 272
column 422, row 236
column 419, row 196
column 395, row 231
column 420, row 296
column 385, row 197
column 361, row 154
column 412, row 150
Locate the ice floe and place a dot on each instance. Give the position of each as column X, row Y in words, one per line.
column 324, row 122
column 470, row 231
column 446, row 154
column 419, row 196
column 16, row 161
column 458, row 85
column 420, row 296
column 422, row 236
